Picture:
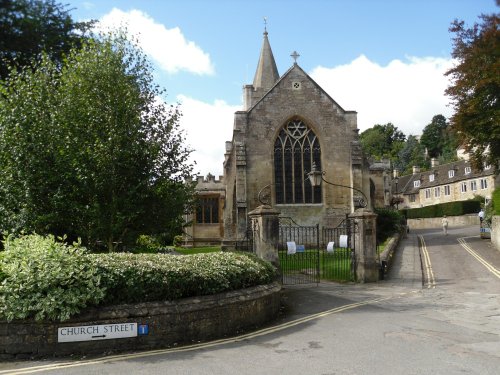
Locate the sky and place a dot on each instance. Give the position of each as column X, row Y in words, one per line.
column 384, row 59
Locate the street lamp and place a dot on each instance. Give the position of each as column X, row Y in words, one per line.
column 315, row 178
column 396, row 181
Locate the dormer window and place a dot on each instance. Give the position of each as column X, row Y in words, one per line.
column 431, row 177
column 487, row 166
column 467, row 170
column 451, row 173
column 416, row 183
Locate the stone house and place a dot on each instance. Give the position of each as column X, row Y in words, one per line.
column 288, row 125
column 449, row 182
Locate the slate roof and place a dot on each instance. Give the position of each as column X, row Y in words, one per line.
column 406, row 185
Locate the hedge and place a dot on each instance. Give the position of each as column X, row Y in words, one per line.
column 449, row 209
column 44, row 278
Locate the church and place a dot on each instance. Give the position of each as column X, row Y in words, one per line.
column 288, row 129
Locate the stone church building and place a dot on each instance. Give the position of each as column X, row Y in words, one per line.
column 287, row 126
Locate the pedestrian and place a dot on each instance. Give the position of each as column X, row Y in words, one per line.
column 444, row 223
column 481, row 216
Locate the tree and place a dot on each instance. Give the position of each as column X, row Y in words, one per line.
column 433, row 136
column 30, row 27
column 475, row 88
column 89, row 149
column 413, row 153
column 382, row 141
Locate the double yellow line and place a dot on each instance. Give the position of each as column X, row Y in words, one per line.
column 262, row 332
column 488, row 266
column 429, row 273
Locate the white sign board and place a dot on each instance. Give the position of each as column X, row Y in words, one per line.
column 330, row 247
column 98, row 332
column 291, row 248
column 343, row 240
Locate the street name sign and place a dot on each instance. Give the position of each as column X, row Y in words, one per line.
column 96, row 332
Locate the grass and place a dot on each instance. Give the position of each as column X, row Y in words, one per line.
column 333, row 266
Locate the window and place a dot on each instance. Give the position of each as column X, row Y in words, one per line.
column 427, row 193
column 295, row 150
column 463, row 187
column 473, row 185
column 431, row 177
column 447, row 190
column 207, row 210
column 484, row 183
column 416, row 183
column 451, row 173
column 413, row 198
column 467, row 170
column 437, row 192
column 487, row 166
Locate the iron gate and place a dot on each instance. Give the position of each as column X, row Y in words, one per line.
column 307, row 254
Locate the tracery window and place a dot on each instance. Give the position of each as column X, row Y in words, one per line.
column 295, row 150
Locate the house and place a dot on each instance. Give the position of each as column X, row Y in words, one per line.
column 456, row 181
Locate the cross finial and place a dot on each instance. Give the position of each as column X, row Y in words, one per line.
column 265, row 24
column 295, row 55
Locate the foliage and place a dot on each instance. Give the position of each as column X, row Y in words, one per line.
column 495, row 202
column 439, row 140
column 90, row 151
column 412, row 153
column 197, row 250
column 389, row 221
column 30, row 27
column 475, row 88
column 450, row 209
column 131, row 278
column 147, row 244
column 382, row 141
column 46, row 279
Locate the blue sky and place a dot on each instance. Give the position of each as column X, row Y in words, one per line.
column 384, row 59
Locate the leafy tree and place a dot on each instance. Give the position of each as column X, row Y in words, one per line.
column 433, row 136
column 382, row 141
column 413, row 153
column 475, row 87
column 30, row 27
column 89, row 150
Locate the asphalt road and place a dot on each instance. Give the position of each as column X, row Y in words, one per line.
column 437, row 312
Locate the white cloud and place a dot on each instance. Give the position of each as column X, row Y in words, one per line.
column 406, row 93
column 208, row 127
column 167, row 47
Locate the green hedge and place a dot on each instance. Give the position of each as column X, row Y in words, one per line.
column 132, row 278
column 389, row 221
column 449, row 209
column 496, row 201
column 43, row 278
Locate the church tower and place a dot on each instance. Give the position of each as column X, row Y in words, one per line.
column 287, row 125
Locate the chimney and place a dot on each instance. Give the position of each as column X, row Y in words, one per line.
column 434, row 163
column 416, row 169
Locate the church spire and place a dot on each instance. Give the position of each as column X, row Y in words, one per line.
column 267, row 72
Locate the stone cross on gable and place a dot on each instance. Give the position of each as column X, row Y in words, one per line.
column 295, row 55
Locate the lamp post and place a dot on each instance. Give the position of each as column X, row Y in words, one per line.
column 396, row 181
column 315, row 178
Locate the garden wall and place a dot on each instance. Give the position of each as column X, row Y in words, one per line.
column 435, row 222
column 166, row 323
column 495, row 232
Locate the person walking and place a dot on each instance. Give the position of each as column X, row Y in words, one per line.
column 481, row 216
column 444, row 223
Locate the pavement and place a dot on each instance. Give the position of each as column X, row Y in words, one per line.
column 404, row 275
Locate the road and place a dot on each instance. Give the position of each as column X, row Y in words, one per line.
column 441, row 316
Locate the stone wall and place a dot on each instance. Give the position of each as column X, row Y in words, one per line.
column 453, row 221
column 495, row 232
column 170, row 323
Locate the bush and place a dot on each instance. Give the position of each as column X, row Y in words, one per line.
column 132, row 278
column 45, row 279
column 389, row 221
column 449, row 209
column 495, row 198
column 147, row 244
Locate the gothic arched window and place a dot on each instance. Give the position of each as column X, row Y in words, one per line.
column 295, row 150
